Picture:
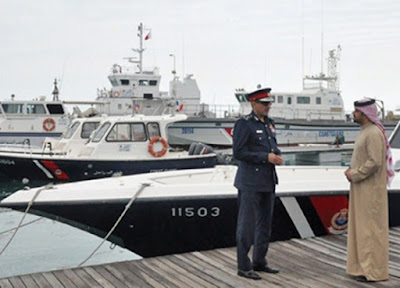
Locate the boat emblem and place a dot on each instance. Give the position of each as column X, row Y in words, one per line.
column 339, row 222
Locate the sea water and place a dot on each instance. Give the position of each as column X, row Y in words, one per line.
column 42, row 244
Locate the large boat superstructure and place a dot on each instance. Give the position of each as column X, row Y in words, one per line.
column 29, row 122
column 136, row 89
column 319, row 100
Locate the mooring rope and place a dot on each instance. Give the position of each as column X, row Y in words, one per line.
column 144, row 185
column 23, row 225
column 26, row 212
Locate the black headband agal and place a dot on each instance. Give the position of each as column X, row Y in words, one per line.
column 362, row 104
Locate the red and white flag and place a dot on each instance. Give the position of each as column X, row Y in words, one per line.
column 148, row 36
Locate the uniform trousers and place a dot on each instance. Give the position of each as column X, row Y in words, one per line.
column 254, row 227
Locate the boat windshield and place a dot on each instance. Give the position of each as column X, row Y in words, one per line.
column 71, row 130
column 395, row 138
column 99, row 133
column 88, row 128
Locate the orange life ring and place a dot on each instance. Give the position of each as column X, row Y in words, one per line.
column 116, row 94
column 49, row 124
column 163, row 150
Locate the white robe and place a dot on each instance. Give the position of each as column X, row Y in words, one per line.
column 368, row 226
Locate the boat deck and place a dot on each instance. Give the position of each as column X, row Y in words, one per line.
column 313, row 262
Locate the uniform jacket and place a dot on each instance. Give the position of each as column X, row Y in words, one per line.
column 253, row 140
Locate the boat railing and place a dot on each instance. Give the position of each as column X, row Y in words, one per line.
column 212, row 110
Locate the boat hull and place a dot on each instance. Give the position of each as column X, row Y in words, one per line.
column 62, row 170
column 160, row 226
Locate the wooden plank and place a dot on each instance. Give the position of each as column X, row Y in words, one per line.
column 53, row 281
column 219, row 272
column 41, row 280
column 306, row 266
column 293, row 272
column 28, row 281
column 193, row 268
column 63, row 278
column 119, row 274
column 98, row 277
column 89, row 280
column 16, row 282
column 174, row 279
column 74, row 278
column 190, row 276
column 130, row 277
column 149, row 279
column 5, row 283
column 109, row 276
column 167, row 268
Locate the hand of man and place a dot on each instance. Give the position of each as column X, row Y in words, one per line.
column 275, row 159
column 348, row 175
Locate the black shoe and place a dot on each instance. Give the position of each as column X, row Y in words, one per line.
column 361, row 279
column 266, row 269
column 249, row 274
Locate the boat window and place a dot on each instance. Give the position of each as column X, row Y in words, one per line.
column 318, row 100
column 143, row 82
column 124, row 81
column 289, row 100
column 138, row 132
column 13, row 108
column 280, row 99
column 71, row 130
column 303, row 100
column 88, row 128
column 241, row 97
column 395, row 139
column 153, row 82
column 153, row 130
column 99, row 133
column 35, row 109
column 120, row 132
column 55, row 108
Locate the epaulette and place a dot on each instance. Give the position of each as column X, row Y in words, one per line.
column 247, row 117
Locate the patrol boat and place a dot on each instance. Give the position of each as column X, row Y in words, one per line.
column 121, row 145
column 314, row 115
column 29, row 122
column 190, row 210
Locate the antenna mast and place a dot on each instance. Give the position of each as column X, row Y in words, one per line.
column 139, row 51
column 322, row 37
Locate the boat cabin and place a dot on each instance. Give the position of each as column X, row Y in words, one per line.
column 309, row 104
column 31, row 121
column 120, row 137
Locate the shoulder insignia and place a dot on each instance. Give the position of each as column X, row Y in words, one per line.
column 247, row 117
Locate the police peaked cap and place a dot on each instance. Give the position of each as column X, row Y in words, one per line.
column 261, row 95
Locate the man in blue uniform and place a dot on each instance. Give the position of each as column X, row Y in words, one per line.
column 255, row 147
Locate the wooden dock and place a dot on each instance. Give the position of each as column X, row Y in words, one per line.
column 314, row 262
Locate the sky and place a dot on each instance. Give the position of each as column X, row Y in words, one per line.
column 225, row 44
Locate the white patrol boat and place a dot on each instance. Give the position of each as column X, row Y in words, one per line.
column 121, row 145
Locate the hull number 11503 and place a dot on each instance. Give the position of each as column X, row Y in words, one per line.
column 193, row 212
